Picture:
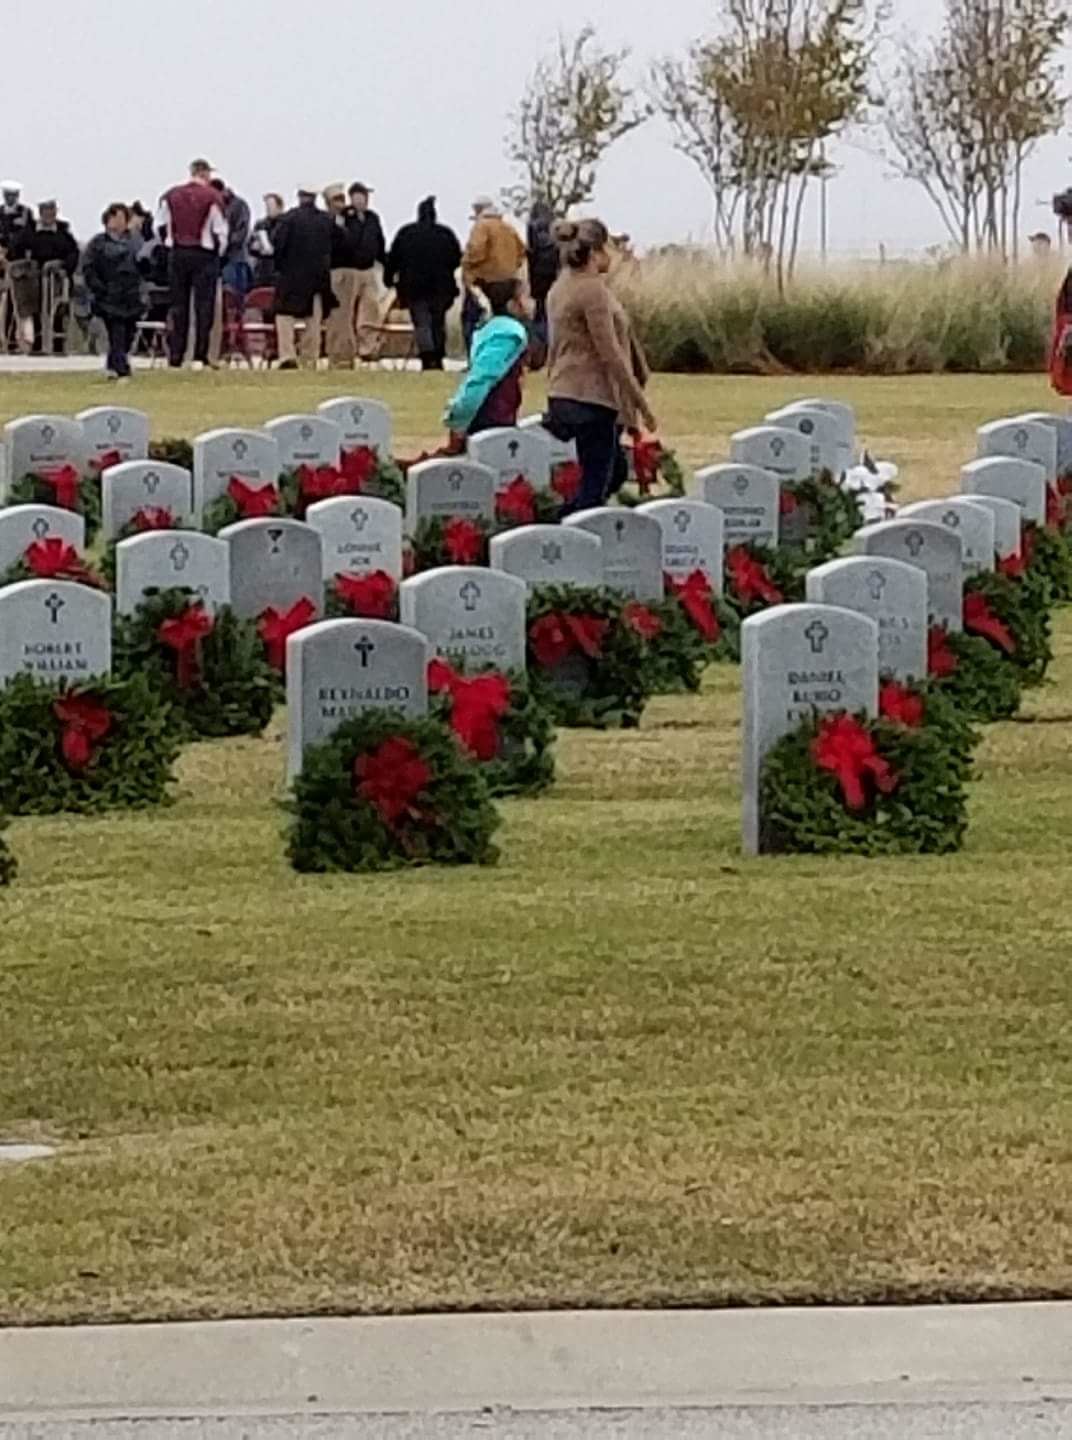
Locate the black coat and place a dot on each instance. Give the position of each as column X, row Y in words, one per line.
column 110, row 270
column 303, row 262
column 47, row 246
column 423, row 263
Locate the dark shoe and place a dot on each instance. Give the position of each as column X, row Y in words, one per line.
column 287, row 365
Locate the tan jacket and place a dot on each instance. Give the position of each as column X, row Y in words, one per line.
column 592, row 349
column 495, row 251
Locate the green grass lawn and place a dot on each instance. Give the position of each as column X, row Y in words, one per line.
column 625, row 1067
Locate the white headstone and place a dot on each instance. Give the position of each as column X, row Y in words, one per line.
column 145, row 484
column 784, row 453
column 55, row 630
column 172, row 560
column 1023, row 440
column 563, row 452
column 693, row 538
column 973, row 523
column 364, row 424
column 1008, row 530
column 1020, row 481
column 931, row 548
column 23, row 525
column 549, row 555
column 797, row 660
column 893, row 594
column 511, row 453
column 221, row 456
column 441, row 489
column 845, row 417
column 361, row 535
column 750, row 501
column 632, row 549
column 469, row 614
column 1062, row 424
column 110, row 428
column 341, row 668
column 305, row 440
column 820, row 429
column 43, row 442
column 274, row 564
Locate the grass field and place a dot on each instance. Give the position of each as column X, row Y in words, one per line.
column 626, row 1067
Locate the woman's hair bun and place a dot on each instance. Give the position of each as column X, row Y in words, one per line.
column 566, row 231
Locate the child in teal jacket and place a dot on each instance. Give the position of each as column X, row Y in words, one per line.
column 490, row 395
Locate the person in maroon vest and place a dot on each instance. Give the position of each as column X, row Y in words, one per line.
column 195, row 231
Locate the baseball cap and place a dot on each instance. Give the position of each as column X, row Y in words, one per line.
column 361, row 187
column 201, row 164
column 7, row 185
column 334, row 192
column 483, row 202
column 308, row 189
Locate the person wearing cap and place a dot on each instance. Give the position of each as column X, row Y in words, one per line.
column 359, row 253
column 303, row 278
column 48, row 242
column 192, row 222
column 15, row 218
column 341, row 337
column 495, row 252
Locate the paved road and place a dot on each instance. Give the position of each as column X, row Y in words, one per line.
column 1038, row 1421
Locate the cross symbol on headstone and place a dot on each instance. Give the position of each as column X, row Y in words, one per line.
column 276, row 538
column 54, row 605
column 179, row 554
column 115, row 424
column 777, row 448
column 682, row 520
column 48, row 434
column 455, row 480
column 240, row 449
column 513, row 447
column 357, row 413
column 876, row 584
column 740, row 484
column 951, row 519
column 619, row 527
column 817, row 635
column 366, row 649
column 552, row 553
column 914, row 543
column 360, row 519
column 306, row 432
column 40, row 528
column 151, row 481
column 1021, row 437
column 469, row 594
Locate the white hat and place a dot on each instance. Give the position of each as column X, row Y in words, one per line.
column 7, row 185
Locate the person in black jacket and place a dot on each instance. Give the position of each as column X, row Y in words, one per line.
column 544, row 266
column 422, row 268
column 47, row 242
column 110, row 270
column 303, row 284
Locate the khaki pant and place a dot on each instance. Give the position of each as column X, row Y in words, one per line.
column 285, row 328
column 350, row 328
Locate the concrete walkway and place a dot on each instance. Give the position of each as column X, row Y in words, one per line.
column 578, row 1362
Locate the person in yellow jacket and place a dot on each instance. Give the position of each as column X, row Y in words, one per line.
column 495, row 252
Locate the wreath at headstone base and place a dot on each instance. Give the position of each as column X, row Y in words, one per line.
column 756, row 578
column 1050, row 554
column 53, row 559
column 107, row 745
column 500, row 725
column 1001, row 611
column 142, row 522
column 384, row 793
column 64, row 487
column 172, row 450
column 978, row 679
column 455, row 540
column 360, row 472
column 209, row 668
column 828, row 516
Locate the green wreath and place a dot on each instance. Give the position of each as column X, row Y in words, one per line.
column 525, row 762
column 82, row 573
column 661, row 468
column 232, row 689
column 678, row 653
column 172, row 450
column 383, row 793
column 1051, row 556
column 116, row 752
column 33, row 489
column 803, row 808
column 833, row 516
column 605, row 689
column 784, row 570
column 224, row 511
column 453, row 540
column 1015, row 608
column 981, row 681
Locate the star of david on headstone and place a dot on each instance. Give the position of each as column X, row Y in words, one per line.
column 275, row 538
column 115, row 424
column 240, row 449
column 806, row 426
column 551, row 553
column 366, row 648
column 777, row 448
column 151, row 481
column 876, row 584
column 359, row 518
column 306, row 432
column 914, row 543
column 54, row 605
column 740, row 484
column 817, row 635
column 48, row 433
column 682, row 520
column 951, row 520
column 179, row 555
column 40, row 528
column 469, row 595
column 455, row 480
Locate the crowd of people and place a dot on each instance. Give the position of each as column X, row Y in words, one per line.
column 322, row 271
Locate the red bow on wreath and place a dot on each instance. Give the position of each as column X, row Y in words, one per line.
column 516, row 505
column 184, row 634
column 85, row 723
column 901, row 705
column 54, row 559
column 370, row 597
column 477, row 706
column 275, row 629
column 846, row 749
column 941, row 658
column 152, row 517
column 1013, row 567
column 647, row 457
column 696, row 597
column 463, row 541
column 253, row 503
column 566, row 481
column 358, row 467
column 979, row 619
column 1055, row 508
column 320, row 482
column 749, row 578
column 391, row 778
column 66, row 482
column 106, row 461
column 642, row 621
column 557, row 636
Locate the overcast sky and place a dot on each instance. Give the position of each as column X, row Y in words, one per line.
column 111, row 100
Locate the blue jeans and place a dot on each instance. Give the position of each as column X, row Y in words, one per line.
column 121, row 331
column 237, row 275
column 595, row 429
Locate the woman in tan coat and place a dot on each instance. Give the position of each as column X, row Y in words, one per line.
column 592, row 384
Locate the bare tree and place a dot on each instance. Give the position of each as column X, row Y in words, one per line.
column 704, row 130
column 576, row 105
